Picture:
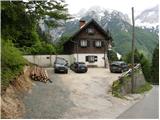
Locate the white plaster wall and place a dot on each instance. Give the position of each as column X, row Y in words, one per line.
column 98, row 63
column 42, row 60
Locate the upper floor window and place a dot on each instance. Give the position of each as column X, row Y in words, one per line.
column 90, row 31
column 83, row 43
column 98, row 43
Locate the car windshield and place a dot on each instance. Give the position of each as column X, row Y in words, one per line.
column 117, row 63
column 113, row 65
column 82, row 64
column 124, row 65
column 60, row 61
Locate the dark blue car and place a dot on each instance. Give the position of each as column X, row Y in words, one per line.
column 118, row 66
column 79, row 67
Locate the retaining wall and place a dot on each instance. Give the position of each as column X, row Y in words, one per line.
column 123, row 86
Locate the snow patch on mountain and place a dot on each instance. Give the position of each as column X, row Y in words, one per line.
column 148, row 18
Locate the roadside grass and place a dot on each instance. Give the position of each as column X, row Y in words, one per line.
column 144, row 88
column 116, row 89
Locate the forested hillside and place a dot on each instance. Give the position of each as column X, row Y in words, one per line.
column 20, row 32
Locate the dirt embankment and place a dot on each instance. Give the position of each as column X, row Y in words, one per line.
column 11, row 99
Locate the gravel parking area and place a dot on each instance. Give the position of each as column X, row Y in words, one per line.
column 74, row 95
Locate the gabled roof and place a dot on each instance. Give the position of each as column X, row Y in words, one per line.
column 92, row 21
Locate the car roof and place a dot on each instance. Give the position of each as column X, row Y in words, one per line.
column 117, row 62
column 59, row 58
column 79, row 63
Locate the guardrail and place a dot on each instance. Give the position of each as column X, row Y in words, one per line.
column 127, row 73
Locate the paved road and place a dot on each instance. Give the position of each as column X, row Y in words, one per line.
column 146, row 108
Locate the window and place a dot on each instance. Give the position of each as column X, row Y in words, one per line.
column 83, row 43
column 90, row 31
column 98, row 43
column 91, row 59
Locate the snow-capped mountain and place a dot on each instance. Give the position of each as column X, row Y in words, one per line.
column 107, row 18
column 148, row 18
column 119, row 26
column 98, row 13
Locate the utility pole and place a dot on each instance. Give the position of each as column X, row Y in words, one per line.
column 133, row 44
column 77, row 51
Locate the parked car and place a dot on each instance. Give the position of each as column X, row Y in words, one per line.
column 60, row 65
column 118, row 66
column 79, row 67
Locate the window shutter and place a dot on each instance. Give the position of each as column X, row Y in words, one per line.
column 79, row 43
column 95, row 58
column 94, row 42
column 88, row 43
column 86, row 58
column 102, row 42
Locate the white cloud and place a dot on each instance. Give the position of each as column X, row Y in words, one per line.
column 120, row 5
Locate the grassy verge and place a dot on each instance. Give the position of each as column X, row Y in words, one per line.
column 116, row 86
column 144, row 88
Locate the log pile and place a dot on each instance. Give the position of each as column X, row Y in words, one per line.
column 39, row 74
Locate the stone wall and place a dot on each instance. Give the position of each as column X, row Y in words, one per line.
column 123, row 86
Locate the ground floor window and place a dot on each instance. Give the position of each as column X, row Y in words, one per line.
column 91, row 59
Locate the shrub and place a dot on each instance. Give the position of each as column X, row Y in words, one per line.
column 145, row 64
column 143, row 88
column 12, row 62
column 112, row 55
column 155, row 66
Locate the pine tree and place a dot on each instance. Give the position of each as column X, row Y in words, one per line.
column 155, row 66
column 21, row 20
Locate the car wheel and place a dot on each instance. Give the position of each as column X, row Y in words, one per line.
column 122, row 71
column 55, row 71
column 66, row 71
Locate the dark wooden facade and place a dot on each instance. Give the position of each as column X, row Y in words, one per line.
column 74, row 46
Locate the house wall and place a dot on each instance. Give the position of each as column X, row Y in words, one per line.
column 83, row 35
column 98, row 63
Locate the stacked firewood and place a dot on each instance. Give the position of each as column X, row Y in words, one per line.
column 39, row 74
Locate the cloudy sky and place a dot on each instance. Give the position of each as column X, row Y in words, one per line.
column 120, row 5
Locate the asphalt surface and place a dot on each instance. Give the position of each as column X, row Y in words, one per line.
column 146, row 108
column 74, row 95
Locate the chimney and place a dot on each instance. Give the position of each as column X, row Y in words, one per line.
column 81, row 23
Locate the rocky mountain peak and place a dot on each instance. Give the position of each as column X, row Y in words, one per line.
column 149, row 17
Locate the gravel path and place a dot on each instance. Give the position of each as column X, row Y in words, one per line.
column 75, row 95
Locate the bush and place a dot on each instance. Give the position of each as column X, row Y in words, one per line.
column 155, row 66
column 144, row 88
column 140, row 58
column 12, row 62
column 40, row 48
column 112, row 55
